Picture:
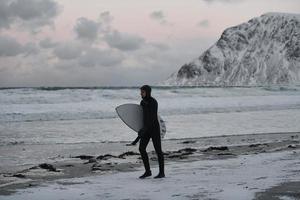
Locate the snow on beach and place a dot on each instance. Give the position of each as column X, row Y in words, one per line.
column 233, row 178
column 224, row 167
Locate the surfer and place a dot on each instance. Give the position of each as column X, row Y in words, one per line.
column 151, row 130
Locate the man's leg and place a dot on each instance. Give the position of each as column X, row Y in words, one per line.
column 142, row 148
column 157, row 146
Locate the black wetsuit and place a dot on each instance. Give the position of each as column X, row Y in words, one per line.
column 151, row 130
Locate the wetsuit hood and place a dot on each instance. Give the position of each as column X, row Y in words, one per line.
column 147, row 89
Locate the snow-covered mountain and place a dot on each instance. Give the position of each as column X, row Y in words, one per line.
column 262, row 51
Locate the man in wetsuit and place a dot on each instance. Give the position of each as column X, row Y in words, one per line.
column 151, row 130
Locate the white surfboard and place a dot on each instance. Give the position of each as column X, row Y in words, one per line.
column 132, row 116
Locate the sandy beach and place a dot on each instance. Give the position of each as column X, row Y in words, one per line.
column 257, row 166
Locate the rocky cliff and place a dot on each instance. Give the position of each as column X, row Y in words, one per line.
column 263, row 51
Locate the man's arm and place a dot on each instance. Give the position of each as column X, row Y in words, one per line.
column 144, row 128
column 153, row 110
column 135, row 141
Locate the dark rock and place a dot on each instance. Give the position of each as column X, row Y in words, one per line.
column 292, row 146
column 106, row 156
column 254, row 145
column 68, row 165
column 188, row 142
column 34, row 167
column 19, row 175
column 181, row 153
column 186, row 153
column 187, row 150
column 174, row 156
column 222, row 148
column 226, row 154
column 84, row 157
column 47, row 166
column 128, row 153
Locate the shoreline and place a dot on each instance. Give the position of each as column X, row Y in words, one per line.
column 154, row 86
column 40, row 153
column 186, row 150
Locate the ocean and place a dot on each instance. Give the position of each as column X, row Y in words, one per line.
column 36, row 118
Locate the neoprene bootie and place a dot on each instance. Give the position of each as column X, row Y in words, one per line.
column 146, row 174
column 160, row 175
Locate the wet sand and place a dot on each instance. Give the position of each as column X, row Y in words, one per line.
column 178, row 152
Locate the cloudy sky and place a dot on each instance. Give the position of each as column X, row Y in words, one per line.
column 115, row 42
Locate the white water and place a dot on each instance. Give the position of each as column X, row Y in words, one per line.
column 39, row 116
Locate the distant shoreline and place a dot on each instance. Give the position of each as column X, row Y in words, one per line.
column 137, row 87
